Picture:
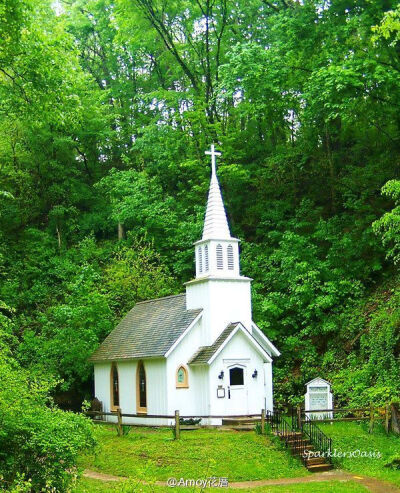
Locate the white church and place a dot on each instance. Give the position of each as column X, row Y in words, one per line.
column 198, row 352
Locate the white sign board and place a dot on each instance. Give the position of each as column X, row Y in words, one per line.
column 318, row 397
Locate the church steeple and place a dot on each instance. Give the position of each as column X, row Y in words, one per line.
column 218, row 288
column 217, row 253
column 215, row 223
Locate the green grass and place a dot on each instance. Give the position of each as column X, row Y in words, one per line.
column 353, row 436
column 152, row 454
column 94, row 486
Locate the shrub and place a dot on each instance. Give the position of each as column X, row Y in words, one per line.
column 39, row 443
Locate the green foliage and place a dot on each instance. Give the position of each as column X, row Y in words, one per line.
column 106, row 108
column 92, row 285
column 39, row 444
column 372, row 343
column 388, row 226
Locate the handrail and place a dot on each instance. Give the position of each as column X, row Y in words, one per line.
column 287, row 433
column 318, row 438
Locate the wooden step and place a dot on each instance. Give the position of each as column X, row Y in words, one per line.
column 297, row 440
column 242, row 428
column 320, row 467
column 301, row 447
column 314, row 461
column 240, row 421
column 289, row 435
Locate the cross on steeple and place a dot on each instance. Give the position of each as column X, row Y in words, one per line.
column 213, row 153
column 215, row 222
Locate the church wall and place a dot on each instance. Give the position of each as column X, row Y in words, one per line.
column 223, row 301
column 192, row 400
column 269, row 391
column 252, row 397
column 155, row 387
column 102, row 384
column 127, row 386
column 230, row 302
column 156, row 378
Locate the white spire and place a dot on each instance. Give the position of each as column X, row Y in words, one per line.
column 215, row 223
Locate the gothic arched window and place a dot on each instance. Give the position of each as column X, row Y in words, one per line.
column 182, row 381
column 220, row 258
column 114, row 381
column 141, row 389
column 231, row 265
column 206, row 258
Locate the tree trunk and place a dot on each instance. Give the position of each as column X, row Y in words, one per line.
column 58, row 237
column 395, row 418
column 120, row 231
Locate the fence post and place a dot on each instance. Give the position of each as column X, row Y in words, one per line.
column 177, row 426
column 119, row 422
column 371, row 418
column 387, row 417
column 263, row 422
column 299, row 417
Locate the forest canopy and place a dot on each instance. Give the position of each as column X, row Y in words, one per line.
column 106, row 108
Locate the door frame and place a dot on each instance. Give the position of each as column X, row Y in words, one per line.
column 243, row 364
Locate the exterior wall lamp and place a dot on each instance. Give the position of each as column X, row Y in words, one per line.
column 255, row 373
column 221, row 375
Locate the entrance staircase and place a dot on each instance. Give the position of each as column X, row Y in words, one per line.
column 305, row 440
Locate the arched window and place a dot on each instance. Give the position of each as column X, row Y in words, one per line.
column 141, row 390
column 236, row 376
column 230, row 257
column 182, row 380
column 220, row 259
column 114, row 387
column 206, row 258
column 200, row 260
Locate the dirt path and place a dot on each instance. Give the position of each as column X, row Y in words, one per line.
column 101, row 477
column 372, row 484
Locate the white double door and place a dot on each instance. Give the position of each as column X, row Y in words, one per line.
column 237, row 389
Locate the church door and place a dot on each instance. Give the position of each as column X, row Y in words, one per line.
column 141, row 391
column 237, row 390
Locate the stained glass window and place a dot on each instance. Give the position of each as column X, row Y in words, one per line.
column 182, row 377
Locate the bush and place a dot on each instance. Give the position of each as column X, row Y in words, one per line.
column 39, row 444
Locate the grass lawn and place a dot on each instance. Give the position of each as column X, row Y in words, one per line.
column 153, row 455
column 94, row 486
column 349, row 436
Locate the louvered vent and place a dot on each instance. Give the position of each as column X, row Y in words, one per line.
column 206, row 258
column 200, row 260
column 230, row 258
column 220, row 258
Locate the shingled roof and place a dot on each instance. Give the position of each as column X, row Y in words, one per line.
column 205, row 353
column 148, row 330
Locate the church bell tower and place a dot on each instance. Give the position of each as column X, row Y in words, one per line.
column 218, row 288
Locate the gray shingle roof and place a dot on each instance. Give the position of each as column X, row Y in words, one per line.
column 205, row 353
column 148, row 330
